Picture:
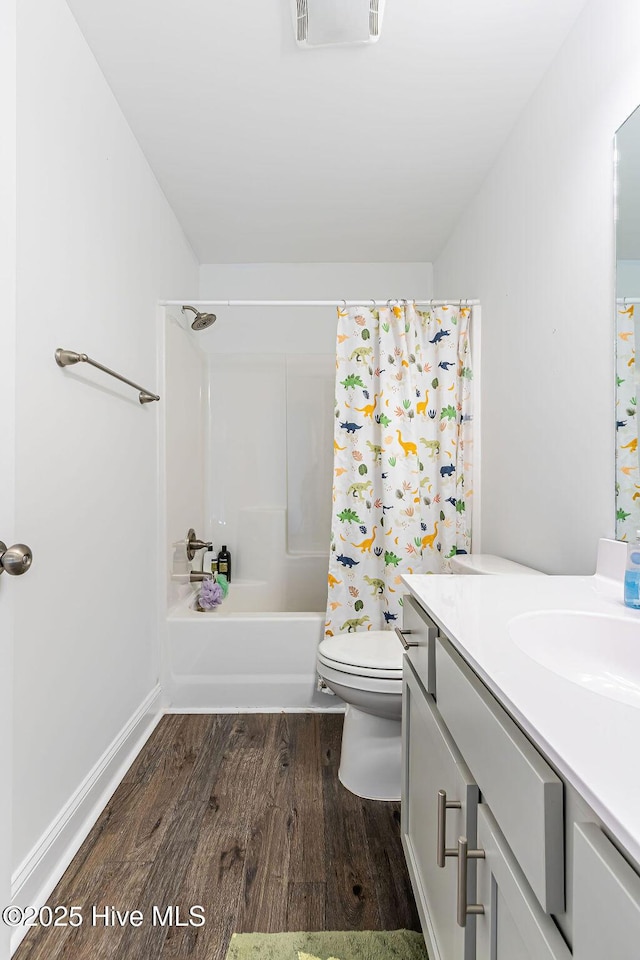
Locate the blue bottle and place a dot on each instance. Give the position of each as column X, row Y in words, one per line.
column 632, row 574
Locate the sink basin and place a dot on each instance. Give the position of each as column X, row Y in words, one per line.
column 599, row 652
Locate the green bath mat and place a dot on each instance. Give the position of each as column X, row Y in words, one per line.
column 329, row 945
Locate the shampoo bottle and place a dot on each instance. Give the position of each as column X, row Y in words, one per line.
column 632, row 574
column 224, row 564
column 210, row 562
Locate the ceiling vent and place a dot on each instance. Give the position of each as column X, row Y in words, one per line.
column 321, row 23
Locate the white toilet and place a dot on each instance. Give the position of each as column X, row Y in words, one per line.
column 365, row 670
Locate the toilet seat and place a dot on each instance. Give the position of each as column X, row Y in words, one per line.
column 376, row 653
column 364, row 683
column 356, row 670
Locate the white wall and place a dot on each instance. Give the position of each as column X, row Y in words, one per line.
column 299, row 330
column 314, row 281
column 536, row 245
column 97, row 246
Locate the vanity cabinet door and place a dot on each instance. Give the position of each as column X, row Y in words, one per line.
column 431, row 764
column 606, row 899
column 513, row 925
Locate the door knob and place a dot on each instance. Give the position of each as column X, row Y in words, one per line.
column 16, row 560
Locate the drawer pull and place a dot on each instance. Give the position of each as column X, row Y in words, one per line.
column 464, row 855
column 443, row 805
column 406, row 643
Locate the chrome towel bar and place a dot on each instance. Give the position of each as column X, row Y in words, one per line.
column 67, row 358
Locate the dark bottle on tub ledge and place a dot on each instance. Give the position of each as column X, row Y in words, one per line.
column 224, row 563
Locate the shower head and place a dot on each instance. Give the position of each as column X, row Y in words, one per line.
column 202, row 320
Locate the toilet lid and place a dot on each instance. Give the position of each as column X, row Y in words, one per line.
column 373, row 650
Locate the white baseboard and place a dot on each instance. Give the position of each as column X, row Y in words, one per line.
column 38, row 874
column 248, row 693
column 340, row 708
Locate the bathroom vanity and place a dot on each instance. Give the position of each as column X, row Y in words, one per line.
column 521, row 785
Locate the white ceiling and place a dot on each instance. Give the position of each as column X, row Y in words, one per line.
column 268, row 152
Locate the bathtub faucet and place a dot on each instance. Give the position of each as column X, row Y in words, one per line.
column 193, row 544
column 197, row 576
column 191, row 576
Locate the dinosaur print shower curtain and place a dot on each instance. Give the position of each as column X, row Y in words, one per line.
column 627, row 454
column 402, row 487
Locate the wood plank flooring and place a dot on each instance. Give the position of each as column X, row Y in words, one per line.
column 245, row 816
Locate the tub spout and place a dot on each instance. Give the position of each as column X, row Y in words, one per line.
column 197, row 576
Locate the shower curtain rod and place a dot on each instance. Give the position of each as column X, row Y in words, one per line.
column 365, row 302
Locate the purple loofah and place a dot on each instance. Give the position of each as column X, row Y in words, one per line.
column 211, row 594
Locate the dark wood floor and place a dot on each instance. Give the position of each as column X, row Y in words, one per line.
column 245, row 816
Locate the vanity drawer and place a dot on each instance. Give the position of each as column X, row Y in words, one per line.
column 421, row 631
column 519, row 786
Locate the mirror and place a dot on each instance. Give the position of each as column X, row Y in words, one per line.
column 627, row 329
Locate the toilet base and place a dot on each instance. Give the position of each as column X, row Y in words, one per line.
column 370, row 761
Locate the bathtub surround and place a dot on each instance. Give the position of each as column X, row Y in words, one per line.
column 268, row 497
column 97, row 244
column 402, row 487
column 183, row 445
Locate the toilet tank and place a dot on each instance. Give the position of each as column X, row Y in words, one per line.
column 486, row 564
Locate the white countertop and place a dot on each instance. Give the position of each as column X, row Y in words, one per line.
column 592, row 740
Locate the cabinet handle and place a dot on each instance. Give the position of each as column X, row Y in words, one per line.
column 406, row 643
column 464, row 855
column 443, row 805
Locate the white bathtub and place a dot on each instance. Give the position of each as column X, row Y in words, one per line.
column 229, row 660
